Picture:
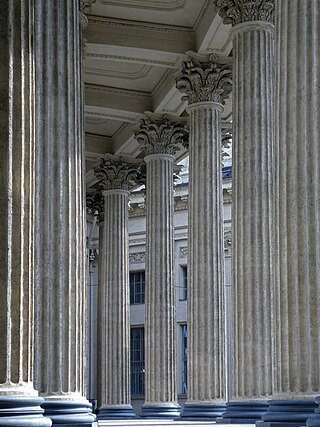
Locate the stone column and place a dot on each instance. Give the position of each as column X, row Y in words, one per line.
column 95, row 209
column 60, row 271
column 116, row 176
column 159, row 137
column 19, row 401
column 206, row 81
column 297, row 152
column 253, row 204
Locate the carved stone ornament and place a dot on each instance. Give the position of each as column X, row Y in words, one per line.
column 95, row 203
column 161, row 134
column 116, row 172
column 205, row 78
column 137, row 258
column 235, row 12
column 84, row 7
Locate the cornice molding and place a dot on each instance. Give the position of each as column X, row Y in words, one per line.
column 138, row 26
column 123, row 58
column 116, row 91
column 160, row 5
column 110, row 116
column 125, row 74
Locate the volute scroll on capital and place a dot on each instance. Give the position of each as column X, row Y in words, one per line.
column 235, row 12
column 205, row 78
column 161, row 134
column 117, row 173
column 84, row 7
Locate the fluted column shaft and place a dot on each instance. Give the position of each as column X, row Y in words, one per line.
column 116, row 176
column 297, row 197
column 60, row 244
column 160, row 292
column 252, row 215
column 206, row 370
column 206, row 80
column 159, row 136
column 60, row 271
column 19, row 404
column 114, row 330
column 17, row 198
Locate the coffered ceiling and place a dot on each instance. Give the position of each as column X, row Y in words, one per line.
column 133, row 50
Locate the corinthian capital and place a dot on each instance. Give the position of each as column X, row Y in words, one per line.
column 205, row 78
column 117, row 173
column 161, row 134
column 237, row 11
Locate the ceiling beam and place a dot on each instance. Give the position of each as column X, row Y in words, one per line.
column 139, row 35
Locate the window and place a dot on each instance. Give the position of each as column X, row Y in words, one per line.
column 184, row 283
column 184, row 359
column 137, row 282
column 137, row 361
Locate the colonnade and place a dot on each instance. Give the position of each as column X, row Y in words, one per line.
column 275, row 357
column 275, row 225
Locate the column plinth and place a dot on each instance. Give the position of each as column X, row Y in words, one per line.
column 60, row 268
column 159, row 137
column 19, row 401
column 252, row 206
column 116, row 177
column 206, row 81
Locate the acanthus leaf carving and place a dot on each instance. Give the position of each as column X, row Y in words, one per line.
column 235, row 12
column 161, row 134
column 116, row 172
column 205, row 78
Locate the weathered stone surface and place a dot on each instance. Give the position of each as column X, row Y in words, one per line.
column 205, row 78
column 116, row 177
column 297, row 199
column 159, row 137
column 253, row 209
column 206, row 81
column 60, row 268
column 238, row 11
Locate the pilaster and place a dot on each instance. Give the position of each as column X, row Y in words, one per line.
column 159, row 137
column 206, row 81
column 116, row 176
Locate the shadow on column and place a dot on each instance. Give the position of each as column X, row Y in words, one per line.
column 22, row 412
column 243, row 412
column 192, row 411
column 314, row 420
column 69, row 413
column 290, row 413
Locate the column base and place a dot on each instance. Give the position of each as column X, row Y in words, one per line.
column 161, row 411
column 314, row 420
column 243, row 413
column 205, row 411
column 68, row 413
column 116, row 412
column 290, row 413
column 22, row 412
